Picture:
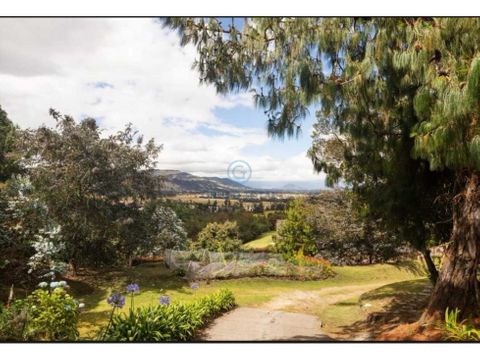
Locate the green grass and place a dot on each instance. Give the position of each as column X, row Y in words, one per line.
column 397, row 297
column 155, row 280
column 262, row 243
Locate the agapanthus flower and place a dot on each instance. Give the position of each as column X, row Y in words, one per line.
column 54, row 284
column 43, row 284
column 194, row 286
column 116, row 300
column 165, row 300
column 133, row 288
column 62, row 283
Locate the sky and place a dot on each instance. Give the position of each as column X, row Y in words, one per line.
column 128, row 70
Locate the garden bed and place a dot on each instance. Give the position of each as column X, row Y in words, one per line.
column 204, row 265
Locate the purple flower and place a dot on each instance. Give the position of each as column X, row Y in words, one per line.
column 165, row 300
column 194, row 286
column 133, row 288
column 116, row 300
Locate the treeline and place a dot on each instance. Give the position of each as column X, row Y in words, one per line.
column 196, row 217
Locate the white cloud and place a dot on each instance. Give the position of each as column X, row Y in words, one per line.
column 128, row 70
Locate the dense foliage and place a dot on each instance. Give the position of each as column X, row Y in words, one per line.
column 218, row 237
column 329, row 226
column 8, row 159
column 168, row 322
column 45, row 315
column 165, row 230
column 250, row 225
column 296, row 233
column 53, row 315
column 93, row 187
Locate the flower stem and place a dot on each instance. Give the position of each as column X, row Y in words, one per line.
column 109, row 324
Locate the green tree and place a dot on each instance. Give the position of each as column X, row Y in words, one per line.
column 448, row 136
column 92, row 186
column 296, row 232
column 165, row 229
column 369, row 78
column 218, row 237
column 12, row 246
column 8, row 163
column 346, row 233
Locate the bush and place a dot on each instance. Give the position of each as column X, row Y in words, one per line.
column 13, row 320
column 459, row 330
column 218, row 237
column 175, row 322
column 52, row 315
column 44, row 315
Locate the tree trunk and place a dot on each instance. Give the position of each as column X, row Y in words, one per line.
column 130, row 261
column 457, row 285
column 432, row 269
column 74, row 267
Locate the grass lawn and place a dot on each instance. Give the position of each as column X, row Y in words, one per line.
column 262, row 243
column 154, row 279
column 392, row 304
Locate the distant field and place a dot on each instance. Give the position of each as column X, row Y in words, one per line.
column 185, row 198
column 262, row 243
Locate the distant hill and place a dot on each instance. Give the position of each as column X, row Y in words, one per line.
column 174, row 181
column 294, row 187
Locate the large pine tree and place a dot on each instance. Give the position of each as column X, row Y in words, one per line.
column 400, row 96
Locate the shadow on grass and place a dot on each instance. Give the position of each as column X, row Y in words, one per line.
column 401, row 302
column 150, row 277
column 415, row 267
column 94, row 286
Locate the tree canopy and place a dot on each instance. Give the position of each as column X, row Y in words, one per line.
column 396, row 100
column 94, row 187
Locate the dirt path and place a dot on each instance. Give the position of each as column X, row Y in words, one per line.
column 252, row 324
column 305, row 301
column 286, row 317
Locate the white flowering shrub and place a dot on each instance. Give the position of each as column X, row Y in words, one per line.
column 166, row 230
column 48, row 248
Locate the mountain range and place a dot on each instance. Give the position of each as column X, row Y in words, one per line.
column 175, row 181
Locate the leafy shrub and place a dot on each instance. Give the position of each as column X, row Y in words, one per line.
column 459, row 330
column 44, row 315
column 175, row 322
column 218, row 237
column 13, row 320
column 53, row 315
